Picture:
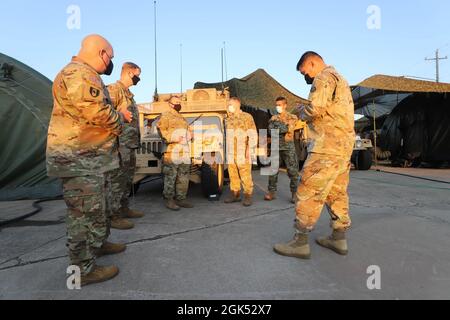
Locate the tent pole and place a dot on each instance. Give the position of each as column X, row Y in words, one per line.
column 375, row 134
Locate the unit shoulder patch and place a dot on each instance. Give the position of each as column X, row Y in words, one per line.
column 94, row 92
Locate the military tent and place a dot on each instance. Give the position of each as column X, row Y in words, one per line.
column 415, row 116
column 25, row 111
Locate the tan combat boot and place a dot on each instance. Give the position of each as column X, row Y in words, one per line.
column 184, row 204
column 132, row 214
column 248, row 201
column 294, row 198
column 336, row 242
column 109, row 248
column 99, row 274
column 272, row 195
column 119, row 223
column 171, row 205
column 297, row 248
column 233, row 198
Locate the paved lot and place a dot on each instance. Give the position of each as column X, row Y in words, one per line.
column 215, row 251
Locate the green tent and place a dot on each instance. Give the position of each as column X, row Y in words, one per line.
column 25, row 110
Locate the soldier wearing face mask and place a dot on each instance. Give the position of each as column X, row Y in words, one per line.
column 129, row 141
column 174, row 130
column 242, row 139
column 325, row 176
column 285, row 123
column 82, row 150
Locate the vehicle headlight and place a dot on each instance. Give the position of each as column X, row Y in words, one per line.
column 359, row 144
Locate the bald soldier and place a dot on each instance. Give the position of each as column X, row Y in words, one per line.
column 129, row 141
column 242, row 140
column 325, row 176
column 82, row 150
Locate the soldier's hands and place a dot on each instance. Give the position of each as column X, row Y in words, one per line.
column 302, row 115
column 127, row 115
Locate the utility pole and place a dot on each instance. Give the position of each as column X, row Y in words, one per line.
column 436, row 59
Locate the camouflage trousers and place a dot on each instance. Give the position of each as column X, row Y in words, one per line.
column 176, row 181
column 325, row 180
column 241, row 174
column 290, row 159
column 87, row 199
column 122, row 180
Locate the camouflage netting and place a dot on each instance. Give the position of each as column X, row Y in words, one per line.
column 25, row 110
column 413, row 116
column 258, row 92
column 402, row 84
column 389, row 91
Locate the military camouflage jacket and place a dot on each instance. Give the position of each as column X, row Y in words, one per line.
column 171, row 126
column 122, row 98
column 330, row 115
column 84, row 127
column 286, row 124
column 241, row 126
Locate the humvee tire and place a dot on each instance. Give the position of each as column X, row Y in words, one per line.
column 363, row 161
column 212, row 179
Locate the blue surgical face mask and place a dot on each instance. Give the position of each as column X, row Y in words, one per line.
column 279, row 110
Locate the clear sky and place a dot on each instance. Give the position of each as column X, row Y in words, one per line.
column 259, row 34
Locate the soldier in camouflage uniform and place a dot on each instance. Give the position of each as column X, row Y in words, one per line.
column 129, row 141
column 82, row 151
column 285, row 123
column 176, row 133
column 242, row 140
column 325, row 176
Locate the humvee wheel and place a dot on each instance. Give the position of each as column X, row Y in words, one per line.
column 363, row 161
column 212, row 179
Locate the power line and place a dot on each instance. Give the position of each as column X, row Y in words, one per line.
column 422, row 61
column 419, row 78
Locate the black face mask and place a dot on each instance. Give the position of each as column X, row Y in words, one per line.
column 135, row 80
column 177, row 107
column 109, row 68
column 308, row 79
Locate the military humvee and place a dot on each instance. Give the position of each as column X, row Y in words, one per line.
column 362, row 154
column 207, row 108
